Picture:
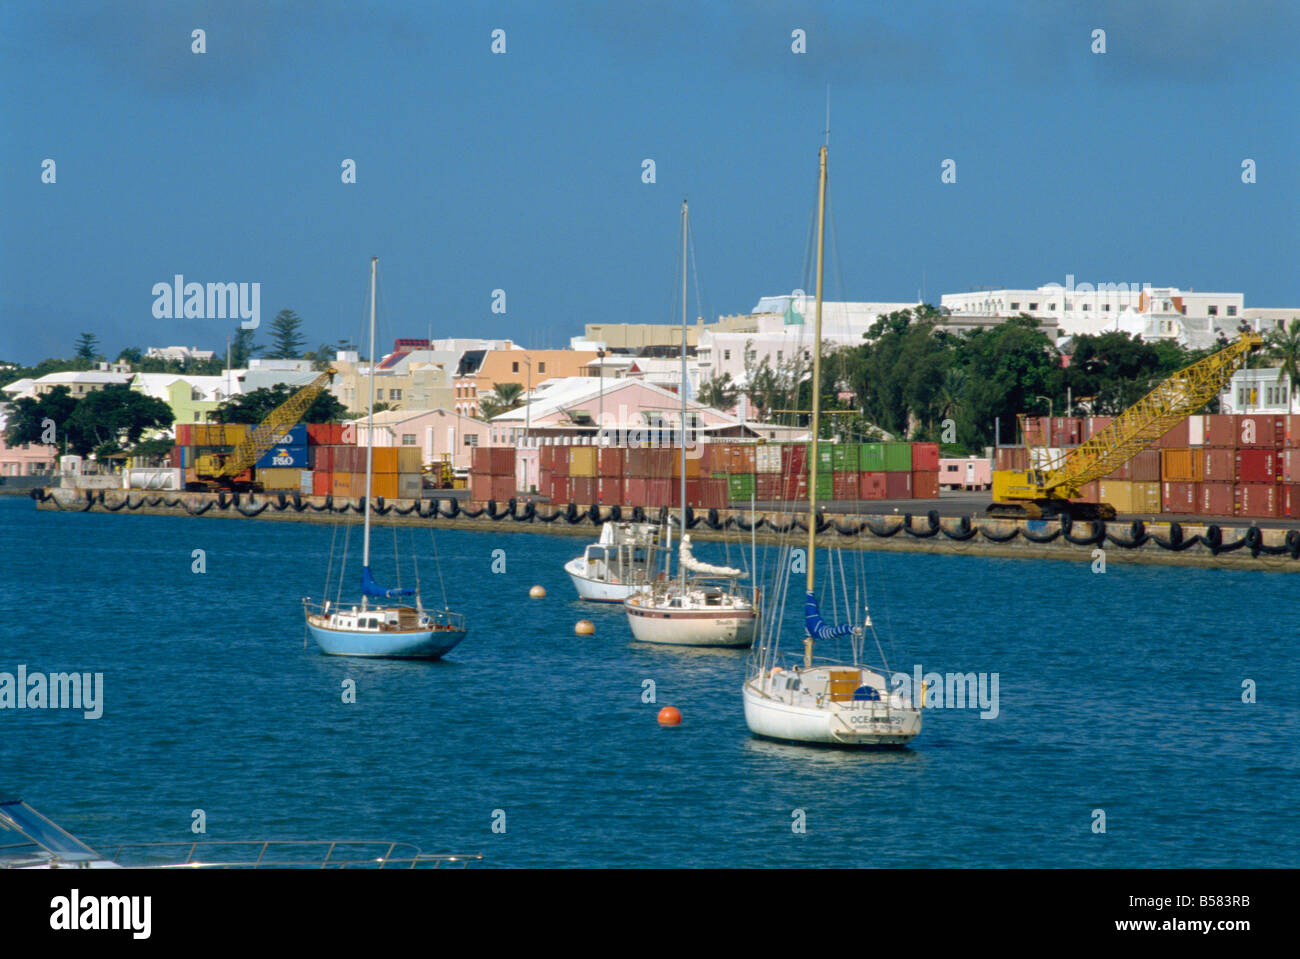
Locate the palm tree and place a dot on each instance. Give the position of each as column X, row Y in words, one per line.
column 1284, row 346
column 504, row 397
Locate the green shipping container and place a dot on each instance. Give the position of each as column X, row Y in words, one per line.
column 871, row 458
column 825, row 486
column 825, row 458
column 844, row 457
column 898, row 457
column 740, row 486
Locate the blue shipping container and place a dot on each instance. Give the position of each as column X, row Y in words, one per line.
column 284, row 456
column 297, row 436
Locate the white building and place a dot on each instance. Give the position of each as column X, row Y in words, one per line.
column 181, row 353
column 1259, row 391
column 1193, row 319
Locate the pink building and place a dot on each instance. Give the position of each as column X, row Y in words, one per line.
column 27, row 459
column 437, row 433
column 973, row 472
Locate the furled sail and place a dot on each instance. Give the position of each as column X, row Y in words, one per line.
column 370, row 588
column 689, row 562
column 817, row 627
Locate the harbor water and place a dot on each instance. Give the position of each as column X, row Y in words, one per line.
column 1118, row 694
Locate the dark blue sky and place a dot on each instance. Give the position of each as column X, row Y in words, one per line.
column 522, row 171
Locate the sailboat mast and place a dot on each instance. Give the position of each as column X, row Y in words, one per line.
column 370, row 423
column 816, row 396
column 682, row 388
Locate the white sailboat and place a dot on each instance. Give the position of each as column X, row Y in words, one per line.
column 617, row 565
column 844, row 704
column 401, row 631
column 704, row 605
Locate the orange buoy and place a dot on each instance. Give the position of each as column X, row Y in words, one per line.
column 537, row 592
column 670, row 716
column 584, row 627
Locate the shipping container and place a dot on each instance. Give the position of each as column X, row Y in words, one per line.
column 279, row 479
column 740, row 487
column 767, row 486
column 1195, row 431
column 561, row 489
column 925, row 457
column 1088, row 493
column 321, row 458
column 794, row 459
column 767, row 458
column 503, row 460
column 560, row 461
column 546, row 458
column 692, row 466
column 925, row 484
column 1178, row 438
column 844, row 457
column 871, row 485
column 844, row 486
column 1145, row 467
column 658, row 492
column 410, row 459
column 1011, row 458
column 384, row 460
column 898, row 485
column 1255, row 499
column 322, row 484
column 794, row 488
column 1093, row 425
column 1290, row 466
column 1178, row 497
column 1290, row 499
column 1260, row 431
column 1182, row 465
column 1066, row 431
column 740, row 459
column 294, row 436
column 582, row 463
column 611, row 462
column 1291, row 431
column 1218, row 465
column 609, row 490
column 410, row 485
column 1256, row 465
column 277, row 457
column 1131, row 496
column 1220, row 431
column 342, row 485
column 1215, row 499
column 582, row 489
column 898, row 457
column 634, row 492
column 1037, row 431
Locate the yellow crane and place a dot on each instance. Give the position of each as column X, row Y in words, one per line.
column 1047, row 490
column 220, row 469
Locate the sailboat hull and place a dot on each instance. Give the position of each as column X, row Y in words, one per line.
column 596, row 590
column 833, row 724
column 651, row 624
column 414, row 644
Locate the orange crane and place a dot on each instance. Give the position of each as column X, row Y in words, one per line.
column 1048, row 489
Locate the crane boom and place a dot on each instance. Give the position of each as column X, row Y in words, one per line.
column 225, row 466
column 1035, row 491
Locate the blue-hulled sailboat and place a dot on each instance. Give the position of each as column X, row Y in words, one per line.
column 375, row 627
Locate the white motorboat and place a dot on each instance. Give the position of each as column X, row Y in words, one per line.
column 831, row 703
column 617, row 565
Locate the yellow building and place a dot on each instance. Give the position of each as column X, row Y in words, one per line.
column 481, row 370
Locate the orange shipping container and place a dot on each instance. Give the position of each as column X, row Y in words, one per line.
column 1182, row 465
column 384, row 459
column 321, row 483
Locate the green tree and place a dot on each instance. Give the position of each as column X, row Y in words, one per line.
column 109, row 417
column 504, row 397
column 1006, row 367
column 30, row 417
column 1283, row 344
column 287, row 340
column 898, row 374
column 132, row 355
column 719, row 392
column 87, row 348
column 256, row 406
column 242, row 348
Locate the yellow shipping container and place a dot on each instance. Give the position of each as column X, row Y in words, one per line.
column 385, row 459
column 409, row 459
column 582, row 461
column 341, row 485
column 279, row 479
column 1181, row 466
column 1146, row 497
column 381, row 484
column 1128, row 496
column 692, row 465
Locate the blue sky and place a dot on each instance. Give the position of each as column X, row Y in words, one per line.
column 522, row 171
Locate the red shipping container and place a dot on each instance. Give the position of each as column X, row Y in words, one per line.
column 1124, row 471
column 480, row 487
column 1011, row 458
column 845, row 486
column 925, row 484
column 610, row 461
column 658, row 492
column 1219, row 465
column 767, row 486
column 1088, row 493
column 714, row 493
column 898, row 485
column 1256, row 499
column 1178, row 497
column 794, row 488
column 560, row 489
column 634, row 491
column 481, row 462
column 609, row 489
column 1066, row 431
column 1291, row 501
column 1220, row 431
column 1178, row 438
column 1146, row 466
column 1291, row 431
column 1260, row 431
column 321, row 483
column 871, row 485
column 1037, row 430
column 582, row 489
column 183, row 434
column 318, row 434
column 1095, row 424
column 794, row 460
column 1215, row 499
column 321, row 458
column 503, row 460
column 1256, row 466
column 546, row 458
column 1290, row 470
column 925, row 457
column 560, row 461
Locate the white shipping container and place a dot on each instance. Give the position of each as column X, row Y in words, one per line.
column 1196, row 431
column 767, row 459
column 1046, row 458
column 304, row 483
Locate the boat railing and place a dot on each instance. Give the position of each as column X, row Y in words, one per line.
column 283, row 854
column 444, row 618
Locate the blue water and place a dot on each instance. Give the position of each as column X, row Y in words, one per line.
column 1119, row 692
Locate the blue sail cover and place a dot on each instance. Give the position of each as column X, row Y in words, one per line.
column 370, row 588
column 816, row 626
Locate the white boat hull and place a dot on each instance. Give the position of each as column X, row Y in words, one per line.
column 862, row 724
column 691, row 627
column 595, row 590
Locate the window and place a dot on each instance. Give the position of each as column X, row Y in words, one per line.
column 1015, row 305
column 1084, row 306
column 196, row 417
column 726, row 354
column 1033, row 306
column 1232, row 311
column 1105, row 307
column 514, row 367
column 1213, row 310
column 541, row 367
column 394, row 394
column 379, row 394
column 779, row 355
column 471, row 439
column 408, row 439
column 1051, row 306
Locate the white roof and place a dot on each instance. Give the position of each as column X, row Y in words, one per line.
column 569, row 391
column 22, row 386
column 84, row 376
